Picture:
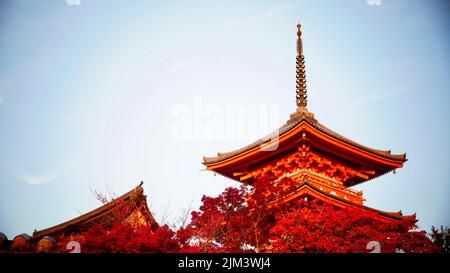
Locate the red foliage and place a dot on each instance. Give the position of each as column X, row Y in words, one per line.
column 317, row 227
column 239, row 220
column 236, row 219
column 222, row 223
column 124, row 238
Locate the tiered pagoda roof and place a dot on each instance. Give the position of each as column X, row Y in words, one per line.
column 371, row 162
column 330, row 161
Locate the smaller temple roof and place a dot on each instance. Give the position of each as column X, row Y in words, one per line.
column 103, row 215
column 308, row 189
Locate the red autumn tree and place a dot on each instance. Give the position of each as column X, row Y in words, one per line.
column 238, row 220
column 312, row 226
column 222, row 224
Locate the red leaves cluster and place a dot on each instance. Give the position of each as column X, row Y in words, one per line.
column 313, row 227
column 124, row 238
column 221, row 224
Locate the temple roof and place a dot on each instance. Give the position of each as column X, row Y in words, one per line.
column 309, row 189
column 290, row 125
column 303, row 127
column 104, row 215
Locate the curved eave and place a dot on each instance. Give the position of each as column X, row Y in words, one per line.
column 307, row 189
column 292, row 130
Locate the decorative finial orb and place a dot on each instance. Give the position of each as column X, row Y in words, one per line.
column 299, row 41
column 299, row 32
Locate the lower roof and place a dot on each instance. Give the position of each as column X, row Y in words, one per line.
column 309, row 189
column 103, row 215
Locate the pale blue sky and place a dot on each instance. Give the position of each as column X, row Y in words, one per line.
column 88, row 92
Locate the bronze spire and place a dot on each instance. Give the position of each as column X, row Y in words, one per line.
column 301, row 95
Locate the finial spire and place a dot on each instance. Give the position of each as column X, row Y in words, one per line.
column 301, row 96
column 299, row 40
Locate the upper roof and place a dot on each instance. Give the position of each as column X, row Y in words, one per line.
column 290, row 125
column 321, row 138
column 104, row 215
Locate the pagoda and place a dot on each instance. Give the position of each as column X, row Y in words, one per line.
column 324, row 164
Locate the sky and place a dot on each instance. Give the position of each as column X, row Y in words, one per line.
column 96, row 96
